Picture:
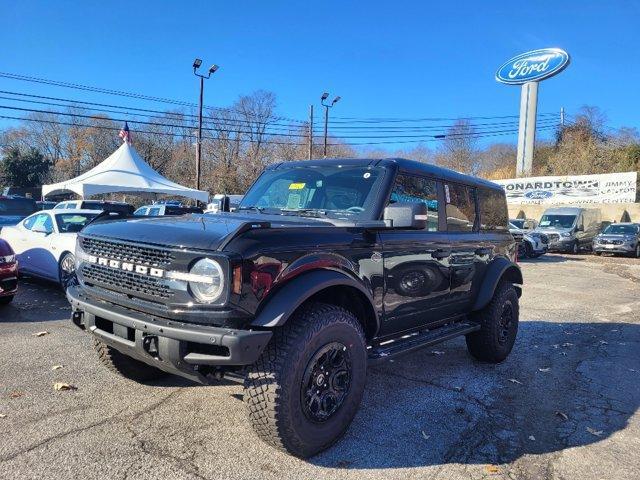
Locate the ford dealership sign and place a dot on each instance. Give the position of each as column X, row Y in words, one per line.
column 533, row 66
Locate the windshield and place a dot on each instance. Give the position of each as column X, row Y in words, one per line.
column 73, row 222
column 17, row 206
column 328, row 190
column 518, row 223
column 557, row 221
column 622, row 229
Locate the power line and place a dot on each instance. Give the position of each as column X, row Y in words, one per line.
column 244, row 132
column 121, row 93
column 270, row 142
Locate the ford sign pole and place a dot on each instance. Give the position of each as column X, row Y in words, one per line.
column 527, row 129
column 528, row 69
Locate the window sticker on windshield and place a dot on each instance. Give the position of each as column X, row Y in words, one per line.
column 294, row 200
column 296, row 186
column 545, row 223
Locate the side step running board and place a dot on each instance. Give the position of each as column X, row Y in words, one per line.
column 421, row 339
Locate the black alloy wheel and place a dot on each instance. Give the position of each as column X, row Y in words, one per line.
column 326, row 382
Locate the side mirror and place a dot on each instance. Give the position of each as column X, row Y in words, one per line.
column 406, row 215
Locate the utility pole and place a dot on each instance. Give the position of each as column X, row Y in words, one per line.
column 310, row 131
column 327, row 106
column 196, row 64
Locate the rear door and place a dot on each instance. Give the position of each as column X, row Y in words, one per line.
column 416, row 262
column 464, row 238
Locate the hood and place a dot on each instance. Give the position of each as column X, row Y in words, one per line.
column 8, row 220
column 205, row 232
column 547, row 231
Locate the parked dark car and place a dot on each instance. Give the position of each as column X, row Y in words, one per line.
column 8, row 273
column 619, row 238
column 45, row 205
column 14, row 209
column 324, row 267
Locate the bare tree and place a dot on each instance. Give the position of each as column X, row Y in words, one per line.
column 458, row 150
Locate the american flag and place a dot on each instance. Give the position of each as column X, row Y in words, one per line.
column 124, row 133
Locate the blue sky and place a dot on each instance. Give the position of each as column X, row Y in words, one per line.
column 389, row 59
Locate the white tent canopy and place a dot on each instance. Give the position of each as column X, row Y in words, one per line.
column 124, row 171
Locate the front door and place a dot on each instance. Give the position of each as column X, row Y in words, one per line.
column 416, row 262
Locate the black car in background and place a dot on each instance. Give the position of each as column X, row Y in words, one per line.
column 324, row 267
column 13, row 209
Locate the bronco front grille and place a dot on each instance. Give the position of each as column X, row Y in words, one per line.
column 127, row 281
column 136, row 254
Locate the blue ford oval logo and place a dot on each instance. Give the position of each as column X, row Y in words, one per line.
column 533, row 66
column 538, row 194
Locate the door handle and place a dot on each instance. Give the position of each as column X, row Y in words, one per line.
column 441, row 253
column 483, row 251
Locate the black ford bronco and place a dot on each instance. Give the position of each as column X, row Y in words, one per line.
column 325, row 267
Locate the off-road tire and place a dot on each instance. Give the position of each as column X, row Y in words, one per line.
column 273, row 385
column 126, row 366
column 6, row 300
column 485, row 344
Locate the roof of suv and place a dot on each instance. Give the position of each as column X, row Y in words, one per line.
column 410, row 166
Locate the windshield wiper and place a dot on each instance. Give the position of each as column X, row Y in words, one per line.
column 305, row 211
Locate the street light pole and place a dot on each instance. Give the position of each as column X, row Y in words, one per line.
column 196, row 64
column 327, row 106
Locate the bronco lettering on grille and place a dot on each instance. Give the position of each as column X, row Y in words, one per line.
column 127, row 267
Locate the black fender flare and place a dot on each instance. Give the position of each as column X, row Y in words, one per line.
column 497, row 270
column 281, row 305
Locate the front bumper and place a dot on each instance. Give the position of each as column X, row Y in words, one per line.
column 188, row 350
column 609, row 248
column 8, row 280
column 562, row 245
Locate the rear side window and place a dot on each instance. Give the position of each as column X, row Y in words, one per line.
column 461, row 208
column 493, row 210
column 409, row 188
column 154, row 212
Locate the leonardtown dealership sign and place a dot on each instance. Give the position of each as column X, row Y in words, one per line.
column 604, row 188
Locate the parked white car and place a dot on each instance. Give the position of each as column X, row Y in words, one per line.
column 45, row 242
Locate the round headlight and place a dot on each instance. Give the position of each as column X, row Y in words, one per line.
column 207, row 280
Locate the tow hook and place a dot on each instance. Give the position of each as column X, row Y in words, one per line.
column 150, row 345
column 76, row 318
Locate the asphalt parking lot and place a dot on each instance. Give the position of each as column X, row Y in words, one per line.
column 564, row 404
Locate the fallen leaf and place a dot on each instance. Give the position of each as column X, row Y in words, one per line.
column 595, row 432
column 513, row 380
column 425, row 436
column 16, row 394
column 56, row 367
column 457, row 389
column 491, row 469
column 532, row 438
column 60, row 386
column 40, row 334
column 567, row 344
column 437, row 352
column 603, row 342
column 3, row 415
column 562, row 415
column 545, row 369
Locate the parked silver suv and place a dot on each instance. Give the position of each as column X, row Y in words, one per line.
column 619, row 238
